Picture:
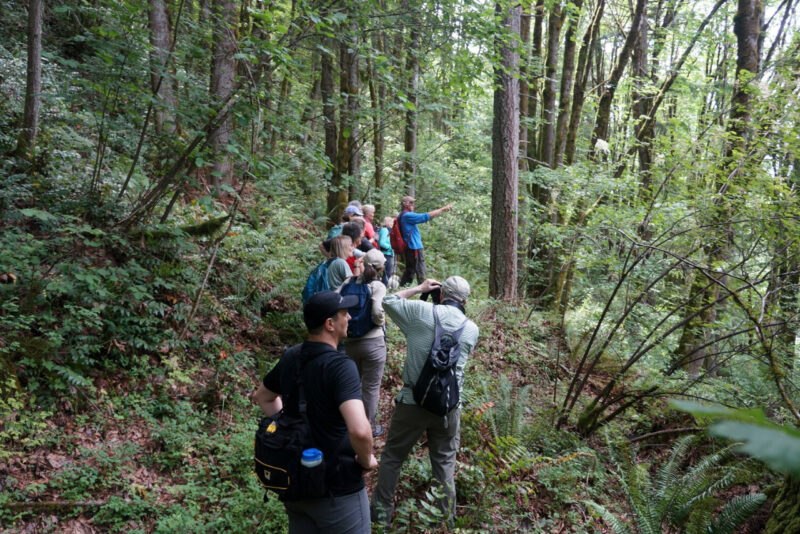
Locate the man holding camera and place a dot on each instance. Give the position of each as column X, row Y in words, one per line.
column 415, row 318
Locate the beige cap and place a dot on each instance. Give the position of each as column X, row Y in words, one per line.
column 408, row 200
column 456, row 287
column 375, row 258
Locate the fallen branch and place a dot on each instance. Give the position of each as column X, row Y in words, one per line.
column 667, row 431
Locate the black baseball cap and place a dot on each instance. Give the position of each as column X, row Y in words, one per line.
column 325, row 304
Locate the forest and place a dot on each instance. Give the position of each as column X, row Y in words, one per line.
column 623, row 176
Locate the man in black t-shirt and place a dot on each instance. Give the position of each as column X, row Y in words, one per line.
column 336, row 414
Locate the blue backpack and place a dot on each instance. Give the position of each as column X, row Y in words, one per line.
column 361, row 314
column 317, row 280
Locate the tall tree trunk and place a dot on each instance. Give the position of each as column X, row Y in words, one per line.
column 642, row 100
column 223, row 69
column 538, row 253
column 377, row 93
column 410, row 133
column 746, row 28
column 349, row 89
column 584, row 66
column 505, row 166
column 604, row 106
column 160, row 78
column 535, row 75
column 547, row 144
column 313, row 98
column 337, row 193
column 567, row 78
column 33, row 85
column 524, row 88
column 277, row 120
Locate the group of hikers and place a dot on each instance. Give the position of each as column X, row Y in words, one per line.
column 332, row 380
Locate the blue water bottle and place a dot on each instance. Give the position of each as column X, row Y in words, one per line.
column 312, row 474
column 311, row 458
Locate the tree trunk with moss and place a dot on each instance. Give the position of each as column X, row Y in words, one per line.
column 785, row 514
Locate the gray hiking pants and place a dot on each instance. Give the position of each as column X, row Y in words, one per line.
column 347, row 514
column 408, row 423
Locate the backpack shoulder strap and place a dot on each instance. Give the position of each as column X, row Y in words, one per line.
column 400, row 223
column 437, row 323
column 300, row 361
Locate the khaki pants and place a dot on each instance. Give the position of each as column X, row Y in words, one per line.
column 408, row 423
column 370, row 356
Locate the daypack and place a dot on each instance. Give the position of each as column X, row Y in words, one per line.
column 317, row 280
column 361, row 314
column 279, row 444
column 396, row 235
column 436, row 388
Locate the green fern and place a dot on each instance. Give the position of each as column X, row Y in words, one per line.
column 507, row 417
column 681, row 498
column 610, row 519
column 736, row 512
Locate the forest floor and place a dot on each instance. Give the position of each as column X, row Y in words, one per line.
column 162, row 442
column 97, row 451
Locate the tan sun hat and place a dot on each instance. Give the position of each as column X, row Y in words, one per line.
column 456, row 287
column 375, row 258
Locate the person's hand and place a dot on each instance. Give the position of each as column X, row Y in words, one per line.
column 448, row 207
column 358, row 266
column 429, row 285
column 372, row 462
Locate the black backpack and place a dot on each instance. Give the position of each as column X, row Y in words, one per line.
column 436, row 388
column 279, row 444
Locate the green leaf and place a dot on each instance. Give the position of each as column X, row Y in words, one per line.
column 41, row 215
column 778, row 447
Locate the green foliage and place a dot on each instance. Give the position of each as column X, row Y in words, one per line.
column 84, row 295
column 777, row 446
column 682, row 496
column 508, row 415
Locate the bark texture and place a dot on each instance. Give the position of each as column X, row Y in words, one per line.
column 410, row 133
column 567, row 79
column 160, row 81
column 548, row 139
column 582, row 78
column 505, row 167
column 337, row 193
column 33, row 86
column 601, row 126
column 223, row 70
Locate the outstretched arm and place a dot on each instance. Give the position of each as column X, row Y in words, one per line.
column 437, row 212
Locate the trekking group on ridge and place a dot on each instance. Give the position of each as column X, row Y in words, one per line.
column 320, row 400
